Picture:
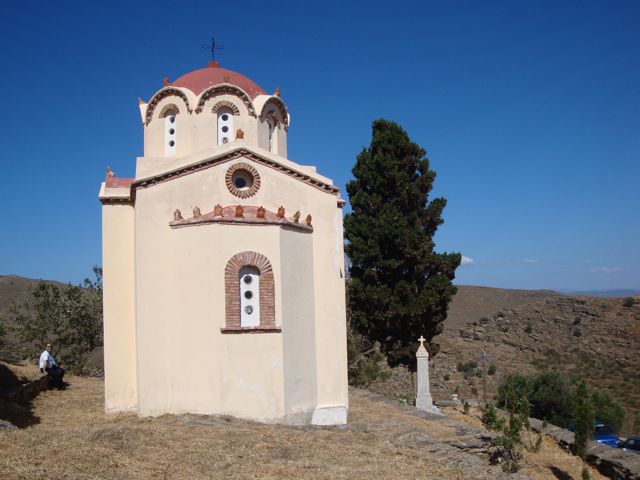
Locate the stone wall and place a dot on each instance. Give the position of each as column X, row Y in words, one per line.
column 16, row 409
column 25, row 392
column 611, row 462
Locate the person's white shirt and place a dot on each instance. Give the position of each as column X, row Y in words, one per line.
column 46, row 359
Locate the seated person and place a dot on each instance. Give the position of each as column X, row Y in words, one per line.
column 49, row 365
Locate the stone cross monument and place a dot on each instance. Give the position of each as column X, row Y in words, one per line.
column 423, row 394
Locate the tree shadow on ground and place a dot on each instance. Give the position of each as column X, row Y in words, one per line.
column 19, row 413
column 560, row 474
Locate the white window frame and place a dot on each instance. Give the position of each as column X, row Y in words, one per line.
column 249, row 307
column 170, row 129
column 224, row 137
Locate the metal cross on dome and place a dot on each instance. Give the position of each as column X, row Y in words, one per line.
column 212, row 47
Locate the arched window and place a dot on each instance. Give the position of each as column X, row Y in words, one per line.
column 272, row 128
column 249, row 297
column 249, row 294
column 273, row 123
column 225, row 125
column 170, row 115
column 170, row 134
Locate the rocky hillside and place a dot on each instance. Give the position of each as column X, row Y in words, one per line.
column 525, row 331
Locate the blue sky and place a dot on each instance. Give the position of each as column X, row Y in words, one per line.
column 529, row 112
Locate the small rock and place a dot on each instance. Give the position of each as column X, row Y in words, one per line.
column 7, row 426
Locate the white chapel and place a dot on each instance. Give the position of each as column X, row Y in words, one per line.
column 223, row 263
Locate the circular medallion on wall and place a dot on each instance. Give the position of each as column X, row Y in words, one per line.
column 242, row 180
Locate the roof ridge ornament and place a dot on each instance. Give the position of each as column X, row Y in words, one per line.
column 212, row 47
column 238, row 214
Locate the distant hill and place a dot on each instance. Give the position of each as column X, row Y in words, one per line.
column 601, row 293
column 527, row 331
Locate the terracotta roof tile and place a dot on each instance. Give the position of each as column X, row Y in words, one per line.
column 118, row 182
column 199, row 80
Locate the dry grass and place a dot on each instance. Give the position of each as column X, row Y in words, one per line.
column 550, row 462
column 74, row 439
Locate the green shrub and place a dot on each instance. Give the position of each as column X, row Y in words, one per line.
column 492, row 370
column 553, row 397
column 607, row 409
column 511, row 389
column 628, row 302
column 468, row 369
column 528, row 328
column 584, row 417
column 491, row 419
column 577, row 332
column 69, row 316
column 553, row 356
column 363, row 368
column 446, row 377
column 577, row 320
column 466, row 407
column 510, row 443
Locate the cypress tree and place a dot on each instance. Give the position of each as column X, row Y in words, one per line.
column 584, row 417
column 400, row 288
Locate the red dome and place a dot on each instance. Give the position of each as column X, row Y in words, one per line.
column 199, row 80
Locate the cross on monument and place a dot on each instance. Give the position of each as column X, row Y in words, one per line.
column 422, row 340
column 213, row 47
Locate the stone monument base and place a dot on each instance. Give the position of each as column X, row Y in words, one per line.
column 426, row 404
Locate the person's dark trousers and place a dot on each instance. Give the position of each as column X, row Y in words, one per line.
column 56, row 374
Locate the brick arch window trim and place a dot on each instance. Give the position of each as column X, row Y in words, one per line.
column 255, row 185
column 280, row 107
column 266, row 294
column 226, row 104
column 161, row 95
column 222, row 89
column 169, row 109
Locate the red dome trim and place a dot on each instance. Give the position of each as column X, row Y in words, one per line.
column 199, row 80
column 231, row 90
